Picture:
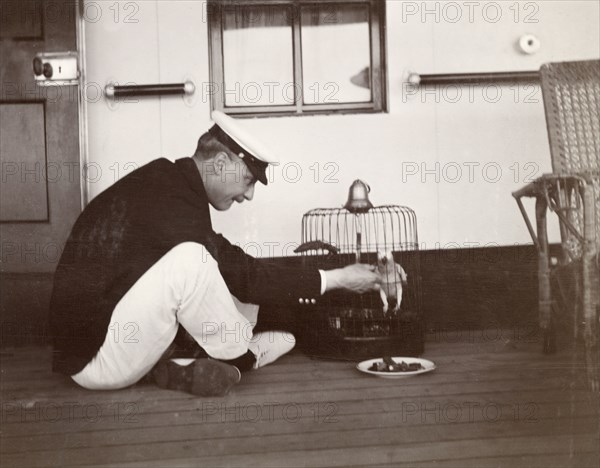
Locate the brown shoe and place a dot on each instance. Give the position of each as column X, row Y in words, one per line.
column 203, row 377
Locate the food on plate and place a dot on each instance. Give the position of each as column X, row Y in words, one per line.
column 387, row 364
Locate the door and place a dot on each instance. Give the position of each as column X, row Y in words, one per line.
column 39, row 153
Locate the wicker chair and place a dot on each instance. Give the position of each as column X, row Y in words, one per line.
column 571, row 92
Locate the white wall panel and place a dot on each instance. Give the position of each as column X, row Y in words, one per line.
column 170, row 44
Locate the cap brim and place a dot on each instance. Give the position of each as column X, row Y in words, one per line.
column 260, row 174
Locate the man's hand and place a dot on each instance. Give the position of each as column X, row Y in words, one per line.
column 358, row 277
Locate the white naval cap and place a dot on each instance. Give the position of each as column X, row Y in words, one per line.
column 238, row 139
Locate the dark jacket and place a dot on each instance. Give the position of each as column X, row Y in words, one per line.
column 128, row 228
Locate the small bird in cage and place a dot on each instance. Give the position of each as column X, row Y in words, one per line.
column 393, row 277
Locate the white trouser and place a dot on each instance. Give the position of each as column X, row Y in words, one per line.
column 184, row 287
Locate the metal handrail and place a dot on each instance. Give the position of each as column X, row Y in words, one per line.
column 115, row 91
column 417, row 79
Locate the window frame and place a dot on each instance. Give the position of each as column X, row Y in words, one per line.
column 378, row 46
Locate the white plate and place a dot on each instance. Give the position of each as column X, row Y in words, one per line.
column 428, row 366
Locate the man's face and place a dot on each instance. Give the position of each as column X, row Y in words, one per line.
column 231, row 181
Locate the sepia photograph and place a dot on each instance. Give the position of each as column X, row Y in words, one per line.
column 300, row 233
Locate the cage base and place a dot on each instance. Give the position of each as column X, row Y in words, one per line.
column 409, row 341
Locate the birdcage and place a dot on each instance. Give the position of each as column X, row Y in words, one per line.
column 351, row 326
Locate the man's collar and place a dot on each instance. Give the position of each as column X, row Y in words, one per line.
column 190, row 171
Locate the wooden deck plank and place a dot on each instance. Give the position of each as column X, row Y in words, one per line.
column 318, row 392
column 547, row 460
column 346, row 381
column 405, row 437
column 211, row 415
column 528, row 406
column 282, row 419
column 396, row 455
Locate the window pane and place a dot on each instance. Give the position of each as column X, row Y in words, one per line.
column 336, row 53
column 258, row 55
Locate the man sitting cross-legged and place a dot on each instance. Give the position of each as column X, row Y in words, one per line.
column 143, row 260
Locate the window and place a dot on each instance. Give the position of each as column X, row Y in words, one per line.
column 297, row 57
